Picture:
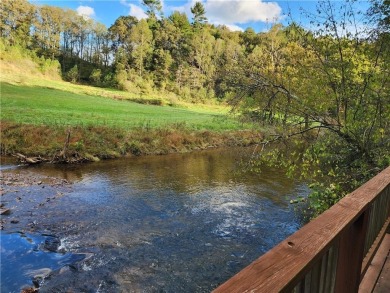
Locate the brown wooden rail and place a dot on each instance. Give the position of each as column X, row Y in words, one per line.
column 329, row 254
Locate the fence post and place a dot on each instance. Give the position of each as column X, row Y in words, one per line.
column 350, row 255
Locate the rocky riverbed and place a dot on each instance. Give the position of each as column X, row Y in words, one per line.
column 23, row 194
column 30, row 252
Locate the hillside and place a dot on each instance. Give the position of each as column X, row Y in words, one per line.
column 39, row 111
column 39, row 105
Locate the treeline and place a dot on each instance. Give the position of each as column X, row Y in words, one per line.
column 187, row 57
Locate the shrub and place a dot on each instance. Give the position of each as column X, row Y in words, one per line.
column 49, row 67
column 73, row 74
column 95, row 77
column 121, row 79
column 109, row 80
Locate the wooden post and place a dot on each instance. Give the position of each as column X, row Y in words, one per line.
column 351, row 250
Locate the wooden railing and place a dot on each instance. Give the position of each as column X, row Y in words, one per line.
column 329, row 254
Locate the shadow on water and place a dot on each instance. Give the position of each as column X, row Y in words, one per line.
column 176, row 223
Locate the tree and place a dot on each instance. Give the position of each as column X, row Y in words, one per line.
column 199, row 13
column 330, row 86
column 47, row 30
column 141, row 39
column 202, row 44
column 119, row 31
column 249, row 39
column 180, row 21
column 100, row 44
column 16, row 18
column 162, row 61
column 380, row 13
column 154, row 7
column 68, row 32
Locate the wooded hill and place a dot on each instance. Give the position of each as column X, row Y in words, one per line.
column 187, row 57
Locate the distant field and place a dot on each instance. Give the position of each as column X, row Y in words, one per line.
column 48, row 106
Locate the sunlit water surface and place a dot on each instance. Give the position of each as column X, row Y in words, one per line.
column 176, row 223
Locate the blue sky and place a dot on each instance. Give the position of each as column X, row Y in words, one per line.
column 236, row 14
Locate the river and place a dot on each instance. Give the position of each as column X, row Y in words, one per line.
column 175, row 223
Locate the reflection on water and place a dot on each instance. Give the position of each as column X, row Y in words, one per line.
column 29, row 257
column 177, row 223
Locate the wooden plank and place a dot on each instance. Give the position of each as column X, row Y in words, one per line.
column 281, row 268
column 351, row 250
column 383, row 283
column 371, row 253
column 368, row 283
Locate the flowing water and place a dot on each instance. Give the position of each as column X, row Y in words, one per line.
column 175, row 223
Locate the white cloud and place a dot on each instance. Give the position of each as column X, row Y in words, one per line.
column 241, row 11
column 135, row 10
column 231, row 13
column 85, row 11
column 231, row 27
column 234, row 27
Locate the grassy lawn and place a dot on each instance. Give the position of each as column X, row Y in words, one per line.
column 51, row 106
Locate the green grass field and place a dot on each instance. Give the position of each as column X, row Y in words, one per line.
column 48, row 106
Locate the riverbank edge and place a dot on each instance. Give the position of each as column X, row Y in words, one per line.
column 77, row 144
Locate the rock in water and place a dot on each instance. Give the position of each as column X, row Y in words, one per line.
column 52, row 243
column 4, row 211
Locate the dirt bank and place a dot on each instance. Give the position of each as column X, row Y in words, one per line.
column 60, row 144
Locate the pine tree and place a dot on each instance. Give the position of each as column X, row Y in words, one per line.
column 199, row 13
column 153, row 7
